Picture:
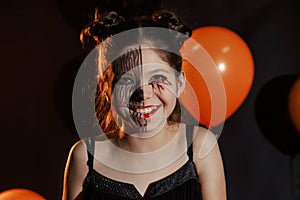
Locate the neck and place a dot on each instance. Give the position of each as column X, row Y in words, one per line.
column 136, row 144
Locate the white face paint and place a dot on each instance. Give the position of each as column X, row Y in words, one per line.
column 145, row 96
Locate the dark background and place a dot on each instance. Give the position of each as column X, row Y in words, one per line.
column 40, row 55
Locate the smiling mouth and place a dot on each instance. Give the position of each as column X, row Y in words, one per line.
column 143, row 112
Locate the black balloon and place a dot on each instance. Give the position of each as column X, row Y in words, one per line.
column 272, row 115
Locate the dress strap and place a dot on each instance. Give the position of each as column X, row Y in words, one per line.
column 189, row 140
column 90, row 144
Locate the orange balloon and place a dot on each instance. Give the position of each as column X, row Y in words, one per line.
column 234, row 62
column 20, row 194
column 294, row 104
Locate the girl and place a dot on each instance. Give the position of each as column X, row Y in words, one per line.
column 149, row 149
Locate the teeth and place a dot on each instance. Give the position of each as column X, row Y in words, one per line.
column 138, row 112
column 139, row 115
column 145, row 110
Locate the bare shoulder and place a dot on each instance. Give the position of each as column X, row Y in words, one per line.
column 75, row 171
column 209, row 164
column 203, row 142
column 78, row 152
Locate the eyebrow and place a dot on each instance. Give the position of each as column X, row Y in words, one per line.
column 157, row 70
column 160, row 70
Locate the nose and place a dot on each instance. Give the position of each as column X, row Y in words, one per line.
column 142, row 93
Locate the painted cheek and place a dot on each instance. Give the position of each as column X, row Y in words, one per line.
column 121, row 95
column 162, row 89
column 167, row 97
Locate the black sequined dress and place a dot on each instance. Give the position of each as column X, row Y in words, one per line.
column 183, row 184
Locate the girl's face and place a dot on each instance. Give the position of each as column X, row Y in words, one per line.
column 145, row 95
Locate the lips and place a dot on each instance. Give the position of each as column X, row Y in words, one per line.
column 143, row 111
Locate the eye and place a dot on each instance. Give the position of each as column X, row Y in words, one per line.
column 157, row 79
column 125, row 81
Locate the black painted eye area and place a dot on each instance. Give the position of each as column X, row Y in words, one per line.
column 125, row 81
